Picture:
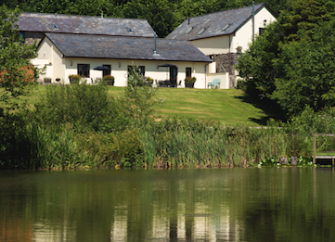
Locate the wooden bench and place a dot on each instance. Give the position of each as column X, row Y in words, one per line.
column 214, row 84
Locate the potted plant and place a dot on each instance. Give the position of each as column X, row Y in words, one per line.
column 47, row 80
column 109, row 80
column 189, row 82
column 148, row 81
column 74, row 79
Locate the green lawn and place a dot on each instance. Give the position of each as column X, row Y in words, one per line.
column 225, row 106
column 213, row 104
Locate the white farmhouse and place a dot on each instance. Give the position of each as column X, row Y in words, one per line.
column 223, row 35
column 76, row 45
column 79, row 54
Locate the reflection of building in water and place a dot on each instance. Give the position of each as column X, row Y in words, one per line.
column 181, row 229
column 213, row 227
column 43, row 231
column 16, row 229
column 200, row 225
column 119, row 225
column 160, row 223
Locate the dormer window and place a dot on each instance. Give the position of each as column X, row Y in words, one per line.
column 189, row 30
column 201, row 31
column 225, row 27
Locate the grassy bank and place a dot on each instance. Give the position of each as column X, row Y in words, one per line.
column 82, row 125
column 225, row 106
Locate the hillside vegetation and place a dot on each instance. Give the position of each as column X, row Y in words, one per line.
column 225, row 106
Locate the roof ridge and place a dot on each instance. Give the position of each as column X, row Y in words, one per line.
column 74, row 16
column 115, row 36
column 227, row 10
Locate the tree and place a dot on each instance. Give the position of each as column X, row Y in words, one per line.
column 14, row 57
column 139, row 98
column 285, row 63
column 159, row 13
column 308, row 71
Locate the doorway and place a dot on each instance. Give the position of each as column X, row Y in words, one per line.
column 173, row 76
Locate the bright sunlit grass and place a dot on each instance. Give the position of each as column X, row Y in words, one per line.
column 225, row 106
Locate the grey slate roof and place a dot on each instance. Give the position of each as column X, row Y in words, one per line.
column 122, row 47
column 61, row 23
column 214, row 24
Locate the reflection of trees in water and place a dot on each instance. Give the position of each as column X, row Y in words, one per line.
column 238, row 204
column 299, row 206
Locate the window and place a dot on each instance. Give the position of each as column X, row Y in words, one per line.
column 142, row 68
column 188, row 72
column 83, row 70
column 261, row 30
column 107, row 72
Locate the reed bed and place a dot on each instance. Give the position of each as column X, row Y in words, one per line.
column 79, row 125
column 218, row 146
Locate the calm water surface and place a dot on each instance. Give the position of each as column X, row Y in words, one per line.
column 268, row 204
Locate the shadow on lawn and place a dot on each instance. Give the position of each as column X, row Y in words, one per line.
column 268, row 106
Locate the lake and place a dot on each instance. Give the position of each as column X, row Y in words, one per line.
column 236, row 204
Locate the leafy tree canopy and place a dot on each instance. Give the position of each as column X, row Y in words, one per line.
column 293, row 61
column 14, row 57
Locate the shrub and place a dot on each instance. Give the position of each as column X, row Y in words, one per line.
column 74, row 78
column 148, row 79
column 190, row 79
column 47, row 80
column 140, row 99
column 87, row 107
column 241, row 84
column 109, row 80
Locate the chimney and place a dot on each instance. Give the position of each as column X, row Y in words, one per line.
column 155, row 52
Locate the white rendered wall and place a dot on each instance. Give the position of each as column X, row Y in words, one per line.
column 243, row 36
column 120, row 70
column 223, row 76
column 44, row 59
column 213, row 45
column 59, row 67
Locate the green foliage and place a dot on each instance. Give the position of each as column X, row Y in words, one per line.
column 87, row 107
column 74, row 79
column 14, row 58
column 76, row 7
column 139, row 98
column 110, row 149
column 159, row 13
column 148, row 79
column 193, row 143
column 308, row 71
column 292, row 62
column 108, row 78
column 190, row 79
